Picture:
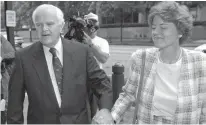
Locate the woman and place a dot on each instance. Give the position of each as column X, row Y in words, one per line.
column 174, row 84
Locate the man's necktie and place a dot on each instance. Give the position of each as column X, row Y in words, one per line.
column 57, row 66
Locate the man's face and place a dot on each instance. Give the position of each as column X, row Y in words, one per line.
column 48, row 27
column 91, row 31
column 164, row 33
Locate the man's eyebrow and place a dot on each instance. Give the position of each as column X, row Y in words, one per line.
column 164, row 23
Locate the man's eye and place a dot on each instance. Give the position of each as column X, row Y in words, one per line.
column 49, row 24
column 37, row 25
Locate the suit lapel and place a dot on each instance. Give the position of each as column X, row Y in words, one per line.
column 40, row 65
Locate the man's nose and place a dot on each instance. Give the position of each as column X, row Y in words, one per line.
column 44, row 27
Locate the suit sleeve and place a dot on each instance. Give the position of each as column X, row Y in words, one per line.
column 99, row 82
column 16, row 94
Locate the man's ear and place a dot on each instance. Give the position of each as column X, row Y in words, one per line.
column 62, row 26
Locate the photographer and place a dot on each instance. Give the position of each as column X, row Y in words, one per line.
column 98, row 45
column 85, row 31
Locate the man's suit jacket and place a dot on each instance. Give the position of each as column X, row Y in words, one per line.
column 80, row 70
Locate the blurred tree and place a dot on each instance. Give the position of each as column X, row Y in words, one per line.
column 24, row 9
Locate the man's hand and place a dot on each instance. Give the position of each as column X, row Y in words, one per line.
column 87, row 39
column 103, row 117
column 2, row 105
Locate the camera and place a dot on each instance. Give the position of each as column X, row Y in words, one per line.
column 77, row 27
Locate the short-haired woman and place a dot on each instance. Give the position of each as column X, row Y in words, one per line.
column 174, row 84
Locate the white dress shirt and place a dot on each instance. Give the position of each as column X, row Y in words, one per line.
column 49, row 57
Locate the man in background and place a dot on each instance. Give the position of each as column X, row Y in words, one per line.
column 99, row 48
column 98, row 45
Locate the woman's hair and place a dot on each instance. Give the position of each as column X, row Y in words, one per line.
column 59, row 12
column 176, row 13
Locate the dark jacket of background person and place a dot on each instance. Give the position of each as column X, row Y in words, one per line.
column 7, row 55
column 31, row 74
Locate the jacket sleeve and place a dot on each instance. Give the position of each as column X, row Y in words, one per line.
column 99, row 82
column 203, row 90
column 128, row 96
column 16, row 93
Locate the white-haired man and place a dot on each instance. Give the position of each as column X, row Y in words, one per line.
column 56, row 74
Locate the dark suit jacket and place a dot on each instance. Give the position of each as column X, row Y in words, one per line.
column 80, row 70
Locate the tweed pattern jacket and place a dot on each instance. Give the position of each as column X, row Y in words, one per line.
column 191, row 100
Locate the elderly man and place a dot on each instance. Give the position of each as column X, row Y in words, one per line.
column 56, row 74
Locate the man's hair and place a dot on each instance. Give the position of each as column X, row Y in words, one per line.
column 175, row 13
column 59, row 12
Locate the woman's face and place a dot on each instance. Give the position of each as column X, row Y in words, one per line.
column 164, row 34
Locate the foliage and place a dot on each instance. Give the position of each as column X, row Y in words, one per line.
column 24, row 9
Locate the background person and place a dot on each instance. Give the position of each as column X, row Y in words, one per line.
column 174, row 84
column 6, row 58
column 56, row 74
column 98, row 45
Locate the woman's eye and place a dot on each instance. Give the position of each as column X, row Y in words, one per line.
column 38, row 25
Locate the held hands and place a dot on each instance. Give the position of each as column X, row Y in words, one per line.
column 103, row 117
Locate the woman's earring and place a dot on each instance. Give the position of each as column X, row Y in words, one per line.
column 180, row 36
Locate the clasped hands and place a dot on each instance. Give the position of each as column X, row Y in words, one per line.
column 103, row 117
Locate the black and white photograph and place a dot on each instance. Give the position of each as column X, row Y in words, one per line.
column 103, row 62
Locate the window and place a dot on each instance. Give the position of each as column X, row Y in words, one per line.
column 135, row 16
column 127, row 15
column 110, row 20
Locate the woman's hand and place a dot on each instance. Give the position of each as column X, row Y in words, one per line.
column 103, row 117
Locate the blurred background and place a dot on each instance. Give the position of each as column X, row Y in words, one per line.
column 121, row 22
